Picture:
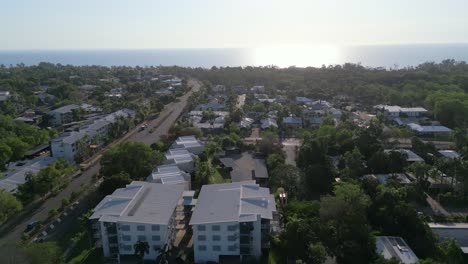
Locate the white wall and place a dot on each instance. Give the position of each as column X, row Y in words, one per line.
column 64, row 150
column 126, row 247
column 209, row 254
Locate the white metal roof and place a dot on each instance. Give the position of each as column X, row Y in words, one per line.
column 233, row 202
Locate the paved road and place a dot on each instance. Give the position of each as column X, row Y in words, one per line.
column 170, row 114
column 291, row 147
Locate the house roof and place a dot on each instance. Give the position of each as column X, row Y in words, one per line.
column 168, row 174
column 268, row 122
column 65, row 109
column 449, row 154
column 301, row 99
column 140, row 202
column 16, row 174
column 227, row 162
column 233, row 202
column 428, row 129
column 292, row 120
column 411, row 156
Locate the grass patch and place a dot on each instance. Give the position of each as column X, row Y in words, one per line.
column 216, row 177
column 89, row 256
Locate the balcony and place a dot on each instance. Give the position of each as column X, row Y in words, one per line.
column 245, row 250
column 245, row 240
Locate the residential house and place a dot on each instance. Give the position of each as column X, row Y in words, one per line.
column 303, row 100
column 232, row 220
column 115, row 93
column 142, row 211
column 292, row 122
column 258, row 89
column 428, row 131
column 457, row 231
column 410, row 155
column 268, row 123
column 246, row 122
column 402, row 178
column 319, row 105
column 173, row 82
column 450, row 154
column 395, row 248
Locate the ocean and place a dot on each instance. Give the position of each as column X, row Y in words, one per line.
column 388, row 56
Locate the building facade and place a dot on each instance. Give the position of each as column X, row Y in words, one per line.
column 232, row 220
column 141, row 211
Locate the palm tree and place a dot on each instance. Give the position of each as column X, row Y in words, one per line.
column 141, row 248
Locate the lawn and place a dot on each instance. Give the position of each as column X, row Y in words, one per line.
column 216, row 177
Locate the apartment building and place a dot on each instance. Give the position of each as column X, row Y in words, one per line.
column 62, row 115
column 90, row 136
column 141, row 211
column 231, row 220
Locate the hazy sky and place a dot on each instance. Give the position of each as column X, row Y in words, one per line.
column 132, row 24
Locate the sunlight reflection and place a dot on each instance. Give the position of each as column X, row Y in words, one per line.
column 297, row 56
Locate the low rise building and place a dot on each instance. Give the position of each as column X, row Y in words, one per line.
column 141, row 211
column 233, row 219
column 401, row 178
column 268, row 123
column 457, row 231
column 73, row 146
column 182, row 158
column 398, row 111
column 410, row 155
column 190, row 143
column 170, row 174
column 450, row 154
column 16, row 173
column 428, row 130
column 292, row 122
column 62, row 115
column 395, row 248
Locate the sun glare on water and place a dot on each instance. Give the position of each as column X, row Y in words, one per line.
column 299, row 56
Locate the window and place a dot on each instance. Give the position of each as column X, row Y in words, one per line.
column 155, row 228
column 202, row 248
column 216, row 238
column 201, row 238
column 125, row 228
column 141, row 228
column 232, row 238
column 215, row 228
column 141, row 238
column 216, row 248
column 127, row 248
column 126, row 238
column 156, row 238
column 232, row 248
column 201, row 228
column 232, row 228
